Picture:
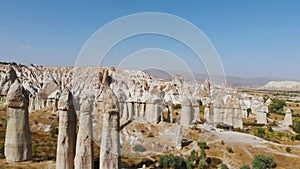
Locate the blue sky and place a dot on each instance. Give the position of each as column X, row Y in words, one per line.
column 253, row 38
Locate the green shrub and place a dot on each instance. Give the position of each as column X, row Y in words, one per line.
column 189, row 164
column 296, row 125
column 262, row 161
column 176, row 106
column 276, row 106
column 202, row 145
column 229, row 149
column 139, row 148
column 203, row 164
column 172, row 161
column 222, row 142
column 288, row 149
column 270, row 129
column 150, row 134
column 260, row 132
column 245, row 167
column 224, row 166
column 296, row 137
column 194, row 156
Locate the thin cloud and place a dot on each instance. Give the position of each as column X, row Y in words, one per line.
column 25, row 47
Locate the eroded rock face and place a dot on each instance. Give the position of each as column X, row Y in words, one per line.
column 7, row 80
column 17, row 140
column 66, row 141
column 261, row 115
column 179, row 138
column 110, row 140
column 84, row 145
column 288, row 120
column 186, row 112
column 219, row 109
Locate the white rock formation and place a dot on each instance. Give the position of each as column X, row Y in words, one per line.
column 288, row 120
column 261, row 115
column 84, row 146
column 110, row 139
column 17, row 140
column 219, row 109
column 66, row 141
column 186, row 112
column 179, row 138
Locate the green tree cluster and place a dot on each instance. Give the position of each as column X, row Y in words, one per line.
column 277, row 106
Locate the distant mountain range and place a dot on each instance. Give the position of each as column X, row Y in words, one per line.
column 233, row 81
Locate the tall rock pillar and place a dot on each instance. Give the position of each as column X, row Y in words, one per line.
column 66, row 141
column 110, row 140
column 84, row 145
column 17, row 139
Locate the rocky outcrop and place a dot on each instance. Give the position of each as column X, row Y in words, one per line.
column 110, row 139
column 288, row 120
column 261, row 115
column 219, row 109
column 6, row 81
column 84, row 145
column 179, row 138
column 186, row 112
column 66, row 141
column 17, row 140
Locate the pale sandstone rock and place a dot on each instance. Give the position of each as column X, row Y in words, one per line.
column 84, row 145
column 288, row 120
column 110, row 139
column 66, row 141
column 17, row 140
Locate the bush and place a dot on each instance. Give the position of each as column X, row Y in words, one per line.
column 224, row 166
column 270, row 129
column 222, row 142
column 245, row 167
column 203, row 165
column 139, row 148
column 189, row 164
column 296, row 137
column 262, row 161
column 229, row 149
column 277, row 106
column 260, row 132
column 176, row 106
column 172, row 161
column 296, row 125
column 288, row 149
column 202, row 145
column 194, row 156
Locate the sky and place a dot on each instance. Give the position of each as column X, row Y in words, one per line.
column 259, row 38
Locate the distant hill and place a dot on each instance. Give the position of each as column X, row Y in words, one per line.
column 231, row 80
column 282, row 85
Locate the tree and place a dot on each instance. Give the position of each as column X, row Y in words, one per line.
column 202, row 145
column 172, row 161
column 245, row 167
column 277, row 105
column 193, row 156
column 262, row 161
column 296, row 125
